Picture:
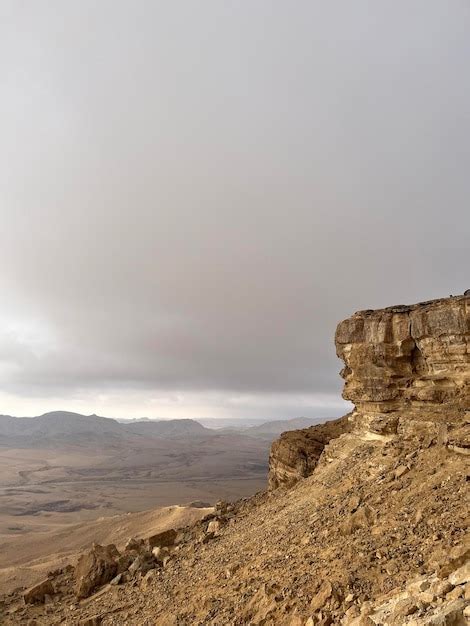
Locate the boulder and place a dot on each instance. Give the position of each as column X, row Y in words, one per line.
column 362, row 518
column 322, row 596
column 124, row 561
column 160, row 554
column 214, row 527
column 95, row 568
column 134, row 545
column 163, row 539
column 142, row 563
column 37, row 593
column 461, row 575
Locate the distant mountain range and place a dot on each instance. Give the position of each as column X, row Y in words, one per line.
column 272, row 429
column 65, row 426
column 74, row 427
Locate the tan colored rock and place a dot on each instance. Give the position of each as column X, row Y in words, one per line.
column 95, row 568
column 458, row 556
column 37, row 593
column 296, row 453
column 163, row 539
column 362, row 518
column 134, row 545
column 413, row 357
column 326, row 594
column 214, row 526
column 461, row 575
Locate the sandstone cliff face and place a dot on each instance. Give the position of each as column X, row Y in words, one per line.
column 407, row 370
column 295, row 454
column 408, row 357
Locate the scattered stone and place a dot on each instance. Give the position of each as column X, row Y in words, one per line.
column 95, row 620
column 163, row 539
column 124, row 561
column 214, row 527
column 461, row 575
column 95, row 568
column 117, row 580
column 323, row 594
column 354, row 502
column 134, row 545
column 404, row 608
column 362, row 518
column 37, row 593
column 401, row 471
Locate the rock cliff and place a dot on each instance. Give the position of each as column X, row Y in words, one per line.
column 295, row 454
column 407, row 370
column 408, row 357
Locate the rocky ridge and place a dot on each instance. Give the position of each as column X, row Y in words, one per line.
column 370, row 529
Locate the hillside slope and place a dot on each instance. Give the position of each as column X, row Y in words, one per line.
column 376, row 534
column 26, row 559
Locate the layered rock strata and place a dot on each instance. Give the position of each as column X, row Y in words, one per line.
column 295, row 454
column 407, row 371
column 408, row 358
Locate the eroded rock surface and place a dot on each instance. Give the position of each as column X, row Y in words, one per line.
column 414, row 358
column 295, row 454
column 407, row 370
column 95, row 568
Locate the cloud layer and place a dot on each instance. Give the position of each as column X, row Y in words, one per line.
column 193, row 195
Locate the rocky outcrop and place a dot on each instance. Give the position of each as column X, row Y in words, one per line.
column 414, row 358
column 38, row 592
column 407, row 370
column 95, row 568
column 295, row 454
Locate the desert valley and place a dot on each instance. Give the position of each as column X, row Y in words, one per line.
column 68, row 479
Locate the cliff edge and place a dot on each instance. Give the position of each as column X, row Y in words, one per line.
column 407, row 371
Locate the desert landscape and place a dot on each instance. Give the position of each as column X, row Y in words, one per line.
column 364, row 520
column 67, row 480
column 235, row 313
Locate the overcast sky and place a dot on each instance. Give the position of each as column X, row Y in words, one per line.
column 194, row 194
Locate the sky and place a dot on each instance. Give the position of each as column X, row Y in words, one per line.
column 194, row 194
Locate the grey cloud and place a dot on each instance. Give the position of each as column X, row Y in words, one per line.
column 192, row 195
